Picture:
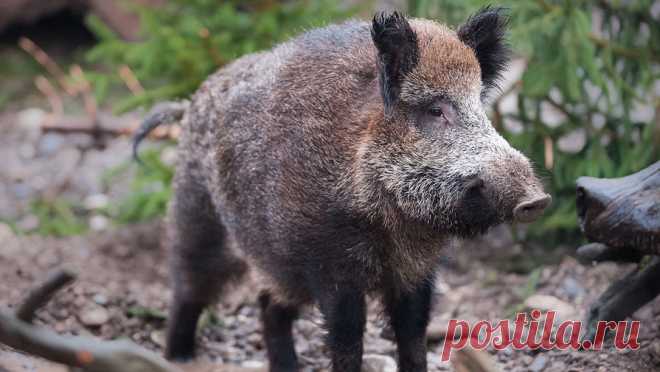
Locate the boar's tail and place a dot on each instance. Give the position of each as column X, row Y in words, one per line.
column 162, row 113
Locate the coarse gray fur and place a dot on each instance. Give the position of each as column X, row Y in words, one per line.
column 318, row 166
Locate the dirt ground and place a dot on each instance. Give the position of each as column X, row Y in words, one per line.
column 122, row 291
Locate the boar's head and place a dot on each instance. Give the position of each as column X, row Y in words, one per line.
column 431, row 154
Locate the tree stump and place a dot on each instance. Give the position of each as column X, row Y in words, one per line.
column 621, row 217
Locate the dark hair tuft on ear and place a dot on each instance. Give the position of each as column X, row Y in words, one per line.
column 485, row 33
column 398, row 52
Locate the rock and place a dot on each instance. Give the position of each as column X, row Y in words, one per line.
column 253, row 364
column 98, row 222
column 157, row 337
column 100, row 299
column 96, row 201
column 572, row 288
column 94, row 316
column 30, row 121
column 378, row 363
column 255, row 340
column 564, row 310
column 538, row 364
column 50, row 143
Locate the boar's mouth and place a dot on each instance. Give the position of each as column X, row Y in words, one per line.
column 477, row 212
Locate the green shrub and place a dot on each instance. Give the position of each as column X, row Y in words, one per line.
column 594, row 63
column 57, row 218
column 186, row 40
column 150, row 190
column 182, row 43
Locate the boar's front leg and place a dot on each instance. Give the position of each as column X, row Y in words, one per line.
column 409, row 317
column 277, row 320
column 344, row 309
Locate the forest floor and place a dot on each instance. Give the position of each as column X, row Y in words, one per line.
column 122, row 292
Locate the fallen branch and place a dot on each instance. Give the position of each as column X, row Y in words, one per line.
column 40, row 295
column 84, row 125
column 88, row 354
column 625, row 296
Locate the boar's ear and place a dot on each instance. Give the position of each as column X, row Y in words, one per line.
column 485, row 33
column 398, row 53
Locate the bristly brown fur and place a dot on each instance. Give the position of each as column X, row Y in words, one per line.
column 334, row 166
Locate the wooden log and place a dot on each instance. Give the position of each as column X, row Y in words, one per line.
column 621, row 217
column 622, row 213
column 625, row 296
column 599, row 252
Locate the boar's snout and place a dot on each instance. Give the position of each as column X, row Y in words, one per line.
column 531, row 209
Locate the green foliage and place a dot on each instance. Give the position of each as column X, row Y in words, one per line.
column 150, row 191
column 594, row 63
column 145, row 313
column 57, row 218
column 186, row 40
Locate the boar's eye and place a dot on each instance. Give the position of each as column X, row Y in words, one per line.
column 441, row 112
column 436, row 111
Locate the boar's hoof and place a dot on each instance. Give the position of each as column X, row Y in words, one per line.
column 530, row 210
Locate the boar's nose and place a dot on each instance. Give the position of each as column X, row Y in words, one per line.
column 530, row 210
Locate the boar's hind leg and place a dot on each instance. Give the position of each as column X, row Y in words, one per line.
column 409, row 316
column 200, row 263
column 344, row 310
column 277, row 322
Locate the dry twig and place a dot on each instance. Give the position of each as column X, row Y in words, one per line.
column 41, row 294
column 88, row 354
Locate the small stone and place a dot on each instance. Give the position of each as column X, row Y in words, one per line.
column 378, row 363
column 100, row 299
column 30, row 119
column 50, row 143
column 544, row 303
column 96, row 201
column 538, row 364
column 98, row 223
column 572, row 288
column 94, row 317
column 255, row 340
column 253, row 364
column 157, row 337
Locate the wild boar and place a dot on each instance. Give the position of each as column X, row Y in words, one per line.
column 337, row 165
